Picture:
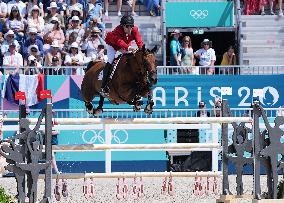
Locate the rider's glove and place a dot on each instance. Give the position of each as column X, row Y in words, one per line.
column 130, row 49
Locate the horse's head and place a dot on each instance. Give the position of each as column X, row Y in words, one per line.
column 150, row 64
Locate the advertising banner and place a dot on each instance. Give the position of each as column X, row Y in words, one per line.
column 199, row 14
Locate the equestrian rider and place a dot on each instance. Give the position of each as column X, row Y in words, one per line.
column 119, row 40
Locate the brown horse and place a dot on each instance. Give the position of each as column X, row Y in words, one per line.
column 133, row 79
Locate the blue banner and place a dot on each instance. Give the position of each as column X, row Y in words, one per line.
column 184, row 91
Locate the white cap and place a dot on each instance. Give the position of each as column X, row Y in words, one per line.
column 31, row 58
column 74, row 45
column 32, row 30
column 54, row 18
column 52, row 5
column 55, row 44
column 206, row 40
column 32, row 46
column 35, row 7
column 10, row 32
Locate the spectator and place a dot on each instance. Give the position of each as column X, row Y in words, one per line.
column 33, row 62
column 202, row 112
column 229, row 59
column 74, row 57
column 93, row 23
column 101, row 56
column 15, row 23
column 52, row 52
column 72, row 38
column 154, row 7
column 31, row 6
column 34, row 51
column 53, row 13
column 74, row 5
column 263, row 3
column 280, row 4
column 21, row 6
column 12, row 58
column 56, row 67
column 75, row 27
column 217, row 107
column 187, row 57
column 132, row 4
column 206, row 56
column 175, row 49
column 3, row 14
column 95, row 10
column 56, row 34
column 91, row 44
column 32, row 40
column 9, row 38
column 74, row 12
column 35, row 20
column 119, row 4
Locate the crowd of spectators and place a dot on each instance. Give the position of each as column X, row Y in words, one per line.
column 256, row 7
column 182, row 54
column 55, row 33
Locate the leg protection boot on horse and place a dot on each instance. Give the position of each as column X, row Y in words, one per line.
column 105, row 89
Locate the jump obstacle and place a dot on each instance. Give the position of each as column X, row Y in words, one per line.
column 241, row 143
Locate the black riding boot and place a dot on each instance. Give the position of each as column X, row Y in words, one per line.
column 107, row 71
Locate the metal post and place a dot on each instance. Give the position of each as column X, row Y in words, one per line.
column 224, row 138
column 214, row 130
column 108, row 137
column 48, row 150
column 239, row 31
column 164, row 32
column 23, row 114
column 256, row 151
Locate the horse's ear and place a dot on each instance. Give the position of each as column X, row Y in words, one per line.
column 143, row 48
column 155, row 49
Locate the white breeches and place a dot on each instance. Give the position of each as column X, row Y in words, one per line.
column 110, row 54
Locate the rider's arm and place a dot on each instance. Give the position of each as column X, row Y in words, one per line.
column 137, row 37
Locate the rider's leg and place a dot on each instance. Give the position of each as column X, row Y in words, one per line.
column 107, row 70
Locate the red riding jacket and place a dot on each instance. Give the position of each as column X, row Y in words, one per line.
column 119, row 40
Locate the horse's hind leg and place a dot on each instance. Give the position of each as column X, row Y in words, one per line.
column 99, row 109
column 89, row 107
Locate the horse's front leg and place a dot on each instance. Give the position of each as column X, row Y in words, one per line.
column 150, row 103
column 99, row 109
column 137, row 104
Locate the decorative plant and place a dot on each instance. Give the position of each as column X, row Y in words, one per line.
column 4, row 198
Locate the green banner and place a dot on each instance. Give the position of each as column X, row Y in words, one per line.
column 199, row 14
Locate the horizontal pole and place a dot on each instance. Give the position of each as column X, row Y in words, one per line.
column 97, row 147
column 180, row 120
column 133, row 174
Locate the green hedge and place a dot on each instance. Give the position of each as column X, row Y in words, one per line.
column 4, row 198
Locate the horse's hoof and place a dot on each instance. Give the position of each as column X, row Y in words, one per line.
column 136, row 108
column 97, row 111
column 148, row 110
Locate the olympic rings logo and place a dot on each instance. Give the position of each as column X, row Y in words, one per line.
column 199, row 14
column 97, row 137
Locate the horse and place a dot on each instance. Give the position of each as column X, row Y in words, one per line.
column 133, row 79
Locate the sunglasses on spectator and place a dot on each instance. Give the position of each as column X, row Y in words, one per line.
column 33, row 34
column 206, row 44
column 10, row 36
column 128, row 26
column 14, row 10
column 186, row 41
column 33, row 50
column 75, row 21
column 54, row 21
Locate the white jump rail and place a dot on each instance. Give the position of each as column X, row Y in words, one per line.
column 96, row 147
column 152, row 123
column 177, row 120
column 134, row 174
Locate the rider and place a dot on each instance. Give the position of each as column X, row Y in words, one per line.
column 119, row 40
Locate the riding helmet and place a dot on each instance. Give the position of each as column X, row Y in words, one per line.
column 127, row 20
